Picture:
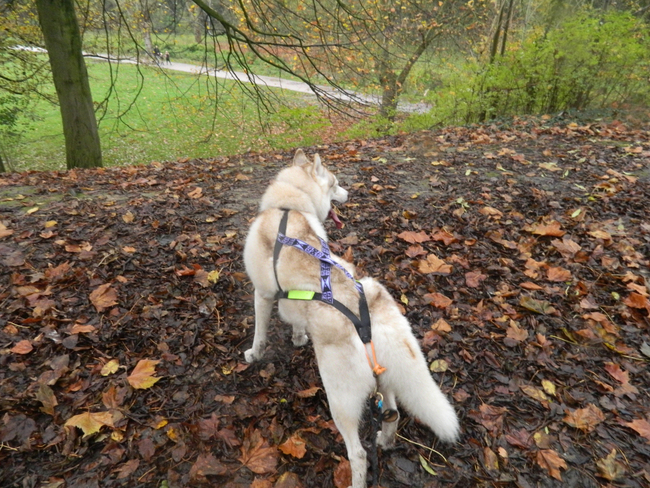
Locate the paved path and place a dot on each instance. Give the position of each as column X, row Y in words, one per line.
column 284, row 84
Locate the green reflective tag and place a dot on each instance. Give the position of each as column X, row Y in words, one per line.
column 300, row 295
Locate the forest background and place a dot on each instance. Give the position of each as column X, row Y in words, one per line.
column 463, row 62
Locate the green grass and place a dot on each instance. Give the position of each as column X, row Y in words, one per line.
column 158, row 116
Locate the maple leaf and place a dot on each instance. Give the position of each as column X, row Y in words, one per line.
column 103, row 297
column 490, row 417
column 414, row 237
column 433, row 264
column 515, row 334
column 585, row 419
column 636, row 300
column 641, row 426
column 617, row 373
column 551, row 228
column 610, row 468
column 142, row 375
column 294, row 446
column 551, row 461
column 257, row 455
column 91, row 422
column 520, row 438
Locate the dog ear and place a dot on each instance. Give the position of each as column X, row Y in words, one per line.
column 300, row 159
column 318, row 170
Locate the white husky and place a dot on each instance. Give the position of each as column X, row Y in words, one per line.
column 304, row 193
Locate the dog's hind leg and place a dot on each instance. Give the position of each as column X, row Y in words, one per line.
column 263, row 309
column 386, row 437
column 348, row 383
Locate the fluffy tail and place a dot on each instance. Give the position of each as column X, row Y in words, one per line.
column 407, row 377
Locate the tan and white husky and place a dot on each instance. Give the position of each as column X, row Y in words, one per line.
column 306, row 190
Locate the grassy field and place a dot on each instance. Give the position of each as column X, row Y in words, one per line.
column 156, row 116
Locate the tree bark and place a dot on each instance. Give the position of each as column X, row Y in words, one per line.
column 63, row 41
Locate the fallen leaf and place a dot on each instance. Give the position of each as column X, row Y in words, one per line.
column 515, row 333
column 45, row 395
column 551, row 461
column 343, row 474
column 551, row 228
column 309, row 392
column 91, row 422
column 110, row 367
column 441, row 325
column 438, row 300
column 257, row 455
column 558, row 274
column 427, row 467
column 617, row 373
column 287, row 480
column 439, row 366
column 128, row 217
column 535, row 394
column 22, row 347
column 142, row 375
column 610, row 468
column 294, row 446
column 585, row 419
column 414, row 237
column 490, row 459
column 641, row 426
column 127, row 469
column 538, row 306
column 206, row 465
column 103, row 297
column 473, row 279
column 445, row 237
column 433, row 264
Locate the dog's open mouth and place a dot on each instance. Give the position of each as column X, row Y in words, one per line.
column 332, row 215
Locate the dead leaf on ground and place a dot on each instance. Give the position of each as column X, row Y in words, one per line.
column 538, row 306
column 551, row 461
column 438, row 300
column 142, row 375
column 641, row 426
column 22, row 347
column 257, row 455
column 206, row 465
column 433, row 264
column 414, row 237
column 294, row 446
column 552, row 228
column 610, row 468
column 585, row 419
column 91, row 422
column 103, row 297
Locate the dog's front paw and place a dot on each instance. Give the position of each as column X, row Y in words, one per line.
column 300, row 340
column 251, row 356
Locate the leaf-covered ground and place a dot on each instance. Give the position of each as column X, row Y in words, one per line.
column 519, row 254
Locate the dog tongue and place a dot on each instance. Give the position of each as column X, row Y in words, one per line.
column 332, row 215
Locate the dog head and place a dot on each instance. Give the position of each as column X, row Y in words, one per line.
column 327, row 186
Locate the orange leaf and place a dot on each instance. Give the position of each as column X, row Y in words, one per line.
column 22, row 347
column 142, row 376
column 515, row 333
column 433, row 264
column 90, row 422
column 257, row 455
column 294, row 446
column 610, row 468
column 415, row 251
column 617, row 373
column 414, row 237
column 309, row 392
column 558, row 274
column 441, row 325
column 641, row 426
column 527, row 285
column 103, row 297
column 438, row 300
column 636, row 300
column 549, row 229
column 444, row 236
column 585, row 419
column 343, row 474
column 552, row 462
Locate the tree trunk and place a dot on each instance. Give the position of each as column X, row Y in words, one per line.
column 63, row 41
column 2, row 165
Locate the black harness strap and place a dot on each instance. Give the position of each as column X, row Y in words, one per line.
column 361, row 323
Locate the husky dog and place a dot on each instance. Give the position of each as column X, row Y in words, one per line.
column 301, row 196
